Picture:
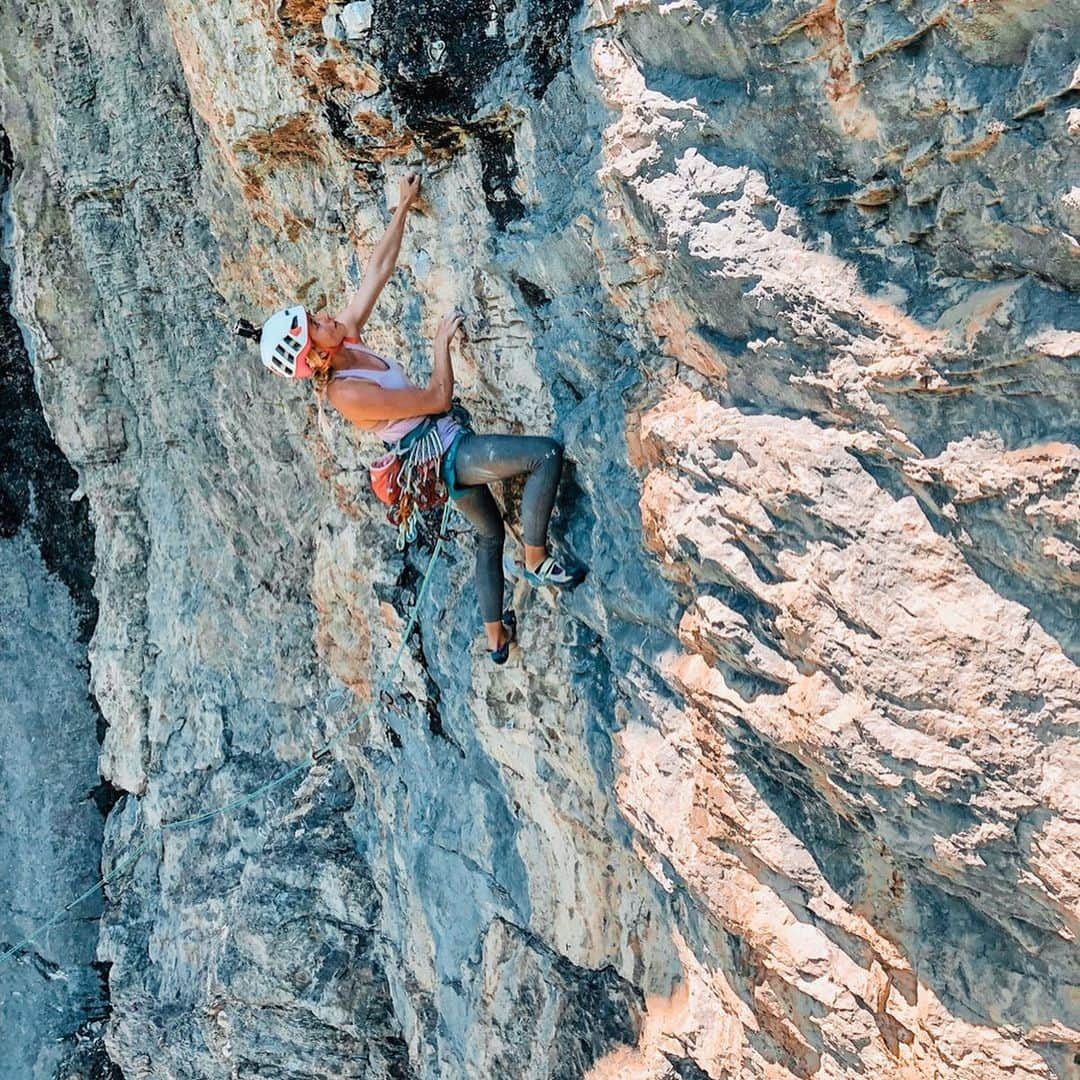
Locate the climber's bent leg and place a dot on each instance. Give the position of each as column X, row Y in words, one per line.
column 482, row 459
column 478, row 505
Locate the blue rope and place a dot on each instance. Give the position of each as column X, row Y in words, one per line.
column 243, row 800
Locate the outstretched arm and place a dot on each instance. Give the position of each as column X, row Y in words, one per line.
column 383, row 260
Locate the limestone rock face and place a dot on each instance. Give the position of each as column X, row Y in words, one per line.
column 53, row 998
column 788, row 787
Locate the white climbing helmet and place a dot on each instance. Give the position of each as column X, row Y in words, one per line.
column 286, row 341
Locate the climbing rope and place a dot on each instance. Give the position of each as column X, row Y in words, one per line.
column 312, row 758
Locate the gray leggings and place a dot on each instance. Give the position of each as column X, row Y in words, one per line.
column 482, row 459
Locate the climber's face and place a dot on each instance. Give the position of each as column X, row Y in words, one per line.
column 326, row 332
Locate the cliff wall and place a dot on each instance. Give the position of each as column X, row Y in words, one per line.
column 788, row 787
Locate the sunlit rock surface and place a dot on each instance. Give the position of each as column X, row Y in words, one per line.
column 788, row 787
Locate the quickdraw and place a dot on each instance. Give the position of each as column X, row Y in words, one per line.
column 417, row 485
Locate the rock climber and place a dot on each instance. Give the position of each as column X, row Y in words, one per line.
column 374, row 393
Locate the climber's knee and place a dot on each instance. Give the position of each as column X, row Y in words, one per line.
column 492, row 534
column 553, row 451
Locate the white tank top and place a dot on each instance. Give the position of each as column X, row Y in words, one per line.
column 393, row 377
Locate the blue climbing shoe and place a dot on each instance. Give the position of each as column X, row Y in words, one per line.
column 549, row 572
column 502, row 653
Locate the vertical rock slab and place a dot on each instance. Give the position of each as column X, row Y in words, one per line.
column 787, row 788
column 54, row 998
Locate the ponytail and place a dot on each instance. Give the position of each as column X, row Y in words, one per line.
column 319, row 362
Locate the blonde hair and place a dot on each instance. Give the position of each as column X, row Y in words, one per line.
column 321, row 370
column 319, row 362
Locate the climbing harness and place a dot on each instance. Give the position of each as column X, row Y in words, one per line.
column 406, row 478
column 312, row 758
column 417, row 472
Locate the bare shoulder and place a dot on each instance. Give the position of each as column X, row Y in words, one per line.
column 343, row 393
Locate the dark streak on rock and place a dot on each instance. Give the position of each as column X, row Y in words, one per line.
column 437, row 78
column 105, row 796
column 532, row 293
column 596, row 1009
column 432, row 87
column 337, row 117
column 686, row 1068
column 498, row 170
column 787, row 785
column 36, row 480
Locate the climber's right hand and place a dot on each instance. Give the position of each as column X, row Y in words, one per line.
column 449, row 325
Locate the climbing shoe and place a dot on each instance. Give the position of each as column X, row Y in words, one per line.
column 549, row 572
column 502, row 653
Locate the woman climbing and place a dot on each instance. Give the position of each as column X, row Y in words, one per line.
column 420, row 426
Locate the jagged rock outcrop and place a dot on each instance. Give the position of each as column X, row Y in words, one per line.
column 788, row 787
